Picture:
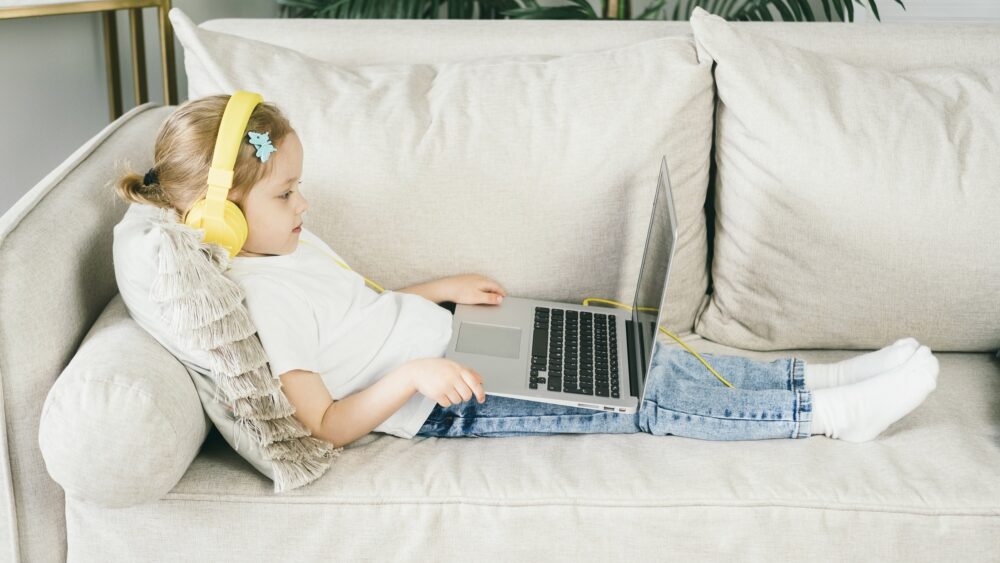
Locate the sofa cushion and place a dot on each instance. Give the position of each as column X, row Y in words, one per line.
column 122, row 422
column 921, row 491
column 537, row 171
column 856, row 205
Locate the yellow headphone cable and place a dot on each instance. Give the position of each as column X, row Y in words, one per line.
column 586, row 303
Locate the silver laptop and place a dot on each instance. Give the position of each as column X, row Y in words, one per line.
column 594, row 357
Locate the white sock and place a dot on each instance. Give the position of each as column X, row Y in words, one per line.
column 860, row 411
column 818, row 376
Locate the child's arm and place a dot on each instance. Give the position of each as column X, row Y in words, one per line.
column 431, row 291
column 471, row 289
column 344, row 421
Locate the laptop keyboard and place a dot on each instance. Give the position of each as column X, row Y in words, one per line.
column 575, row 352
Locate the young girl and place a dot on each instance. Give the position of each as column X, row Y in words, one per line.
column 352, row 360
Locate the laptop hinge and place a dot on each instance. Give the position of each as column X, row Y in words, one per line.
column 633, row 367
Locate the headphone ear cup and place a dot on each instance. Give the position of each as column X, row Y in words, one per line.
column 231, row 235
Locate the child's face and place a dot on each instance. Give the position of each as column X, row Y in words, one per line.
column 275, row 205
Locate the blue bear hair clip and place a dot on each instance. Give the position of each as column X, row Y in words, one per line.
column 263, row 144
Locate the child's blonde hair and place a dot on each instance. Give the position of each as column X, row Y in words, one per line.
column 183, row 153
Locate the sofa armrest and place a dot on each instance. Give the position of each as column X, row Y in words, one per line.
column 56, row 276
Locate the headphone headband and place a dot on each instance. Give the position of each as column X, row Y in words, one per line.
column 227, row 145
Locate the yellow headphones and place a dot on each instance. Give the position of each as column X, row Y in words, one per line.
column 224, row 223
column 220, row 219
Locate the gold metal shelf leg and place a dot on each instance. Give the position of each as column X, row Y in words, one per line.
column 139, row 83
column 111, row 63
column 167, row 56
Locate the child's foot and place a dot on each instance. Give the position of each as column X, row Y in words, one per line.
column 860, row 411
column 818, row 376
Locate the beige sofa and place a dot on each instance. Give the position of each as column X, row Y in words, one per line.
column 925, row 490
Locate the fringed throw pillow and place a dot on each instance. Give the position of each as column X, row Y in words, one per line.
column 204, row 310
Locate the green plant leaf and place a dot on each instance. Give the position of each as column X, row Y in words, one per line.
column 786, row 14
column 723, row 9
column 586, row 7
column 796, row 12
column 839, row 8
column 826, row 9
column 746, row 10
column 875, row 9
column 551, row 13
column 652, row 10
column 807, row 10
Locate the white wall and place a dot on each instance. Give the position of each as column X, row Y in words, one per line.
column 53, row 86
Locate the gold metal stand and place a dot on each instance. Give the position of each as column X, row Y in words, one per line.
column 107, row 9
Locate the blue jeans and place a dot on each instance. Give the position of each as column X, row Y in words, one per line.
column 683, row 398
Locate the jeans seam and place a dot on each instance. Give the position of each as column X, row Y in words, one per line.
column 797, row 414
column 727, row 417
column 803, row 398
column 480, row 417
column 797, row 368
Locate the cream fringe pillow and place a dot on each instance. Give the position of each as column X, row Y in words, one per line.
column 204, row 308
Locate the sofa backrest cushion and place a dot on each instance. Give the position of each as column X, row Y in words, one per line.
column 537, row 171
column 856, row 204
column 123, row 422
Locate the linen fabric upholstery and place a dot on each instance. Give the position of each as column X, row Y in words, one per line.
column 851, row 201
column 520, row 155
column 122, row 423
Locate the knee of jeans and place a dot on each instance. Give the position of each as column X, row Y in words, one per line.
column 646, row 410
column 664, row 384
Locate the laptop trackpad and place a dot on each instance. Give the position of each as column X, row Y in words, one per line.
column 491, row 340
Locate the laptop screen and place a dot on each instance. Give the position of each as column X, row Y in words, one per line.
column 649, row 295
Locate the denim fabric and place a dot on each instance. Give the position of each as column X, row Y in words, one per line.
column 683, row 398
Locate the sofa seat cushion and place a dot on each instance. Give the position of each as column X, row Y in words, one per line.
column 923, row 489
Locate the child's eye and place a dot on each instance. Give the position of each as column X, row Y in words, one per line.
column 286, row 194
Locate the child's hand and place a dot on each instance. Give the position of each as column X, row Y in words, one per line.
column 473, row 289
column 446, row 381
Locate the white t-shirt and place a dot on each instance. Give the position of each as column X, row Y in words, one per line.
column 313, row 314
